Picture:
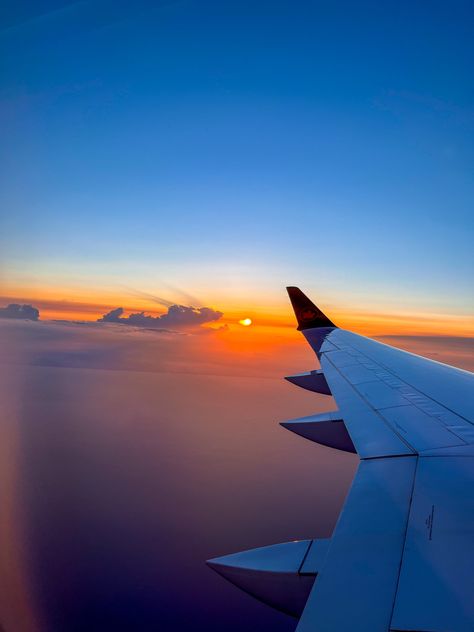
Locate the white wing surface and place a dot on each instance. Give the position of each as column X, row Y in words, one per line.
column 402, row 553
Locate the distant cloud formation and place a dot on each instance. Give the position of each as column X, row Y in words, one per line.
column 112, row 317
column 177, row 316
column 20, row 312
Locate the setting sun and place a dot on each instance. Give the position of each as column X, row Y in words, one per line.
column 246, row 322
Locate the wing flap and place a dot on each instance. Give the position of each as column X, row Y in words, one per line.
column 423, row 432
column 435, row 586
column 370, row 434
column 356, row 586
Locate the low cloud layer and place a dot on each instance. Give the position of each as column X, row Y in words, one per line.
column 176, row 316
column 20, row 312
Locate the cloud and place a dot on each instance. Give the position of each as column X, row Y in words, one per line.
column 21, row 312
column 176, row 316
column 112, row 316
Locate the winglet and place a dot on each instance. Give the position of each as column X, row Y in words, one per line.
column 307, row 314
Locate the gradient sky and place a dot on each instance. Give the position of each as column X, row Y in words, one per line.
column 208, row 154
column 231, row 148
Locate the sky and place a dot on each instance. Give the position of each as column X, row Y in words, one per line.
column 166, row 169
column 212, row 153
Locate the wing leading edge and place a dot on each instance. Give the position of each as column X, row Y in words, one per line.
column 401, row 557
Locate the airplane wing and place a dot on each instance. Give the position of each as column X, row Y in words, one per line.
column 401, row 557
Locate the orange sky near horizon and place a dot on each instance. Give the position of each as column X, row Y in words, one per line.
column 59, row 304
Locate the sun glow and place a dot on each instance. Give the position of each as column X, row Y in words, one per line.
column 246, row 322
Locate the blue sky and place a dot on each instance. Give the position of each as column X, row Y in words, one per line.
column 230, row 148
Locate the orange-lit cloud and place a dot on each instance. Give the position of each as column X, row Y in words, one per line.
column 81, row 304
column 67, row 309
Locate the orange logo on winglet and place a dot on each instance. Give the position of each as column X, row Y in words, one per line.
column 308, row 314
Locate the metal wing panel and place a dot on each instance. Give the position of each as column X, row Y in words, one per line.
column 370, row 434
column 436, row 580
column 361, row 375
column 451, row 387
column 356, row 587
column 422, row 431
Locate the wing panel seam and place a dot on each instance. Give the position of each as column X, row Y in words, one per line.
column 405, row 539
column 395, row 375
column 384, row 421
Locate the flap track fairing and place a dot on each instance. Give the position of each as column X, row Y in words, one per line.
column 326, row 429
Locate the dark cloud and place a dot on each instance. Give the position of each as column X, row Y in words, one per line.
column 177, row 316
column 21, row 312
column 112, row 317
